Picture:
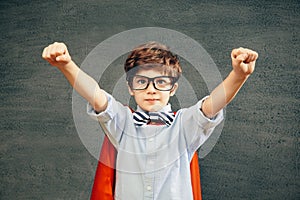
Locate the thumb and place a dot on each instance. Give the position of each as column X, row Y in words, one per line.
column 63, row 58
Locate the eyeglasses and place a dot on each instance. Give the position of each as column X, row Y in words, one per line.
column 162, row 83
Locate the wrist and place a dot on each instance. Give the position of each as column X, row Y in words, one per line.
column 66, row 66
column 239, row 76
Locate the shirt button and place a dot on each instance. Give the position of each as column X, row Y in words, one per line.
column 149, row 188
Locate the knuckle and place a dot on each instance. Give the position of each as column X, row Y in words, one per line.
column 53, row 52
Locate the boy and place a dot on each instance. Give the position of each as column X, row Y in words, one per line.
column 153, row 161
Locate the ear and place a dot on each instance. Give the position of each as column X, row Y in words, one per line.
column 130, row 90
column 173, row 91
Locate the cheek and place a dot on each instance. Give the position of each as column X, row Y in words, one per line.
column 137, row 97
column 166, row 97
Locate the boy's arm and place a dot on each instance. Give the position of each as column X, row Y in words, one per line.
column 243, row 63
column 57, row 55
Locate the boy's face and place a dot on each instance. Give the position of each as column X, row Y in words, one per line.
column 151, row 99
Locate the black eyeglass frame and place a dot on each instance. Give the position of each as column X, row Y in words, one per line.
column 173, row 81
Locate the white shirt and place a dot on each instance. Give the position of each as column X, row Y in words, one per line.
column 153, row 162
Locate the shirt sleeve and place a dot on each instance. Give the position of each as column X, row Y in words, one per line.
column 113, row 119
column 196, row 126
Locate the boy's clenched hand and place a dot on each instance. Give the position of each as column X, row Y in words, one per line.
column 57, row 54
column 243, row 61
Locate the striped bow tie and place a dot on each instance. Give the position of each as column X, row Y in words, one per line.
column 143, row 118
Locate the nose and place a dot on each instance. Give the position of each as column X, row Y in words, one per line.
column 150, row 89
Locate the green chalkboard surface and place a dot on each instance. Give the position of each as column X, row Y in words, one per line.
column 257, row 154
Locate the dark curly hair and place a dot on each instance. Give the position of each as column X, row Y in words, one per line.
column 150, row 55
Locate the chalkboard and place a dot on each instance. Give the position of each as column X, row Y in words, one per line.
column 257, row 154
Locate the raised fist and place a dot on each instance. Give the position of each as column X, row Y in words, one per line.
column 57, row 54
